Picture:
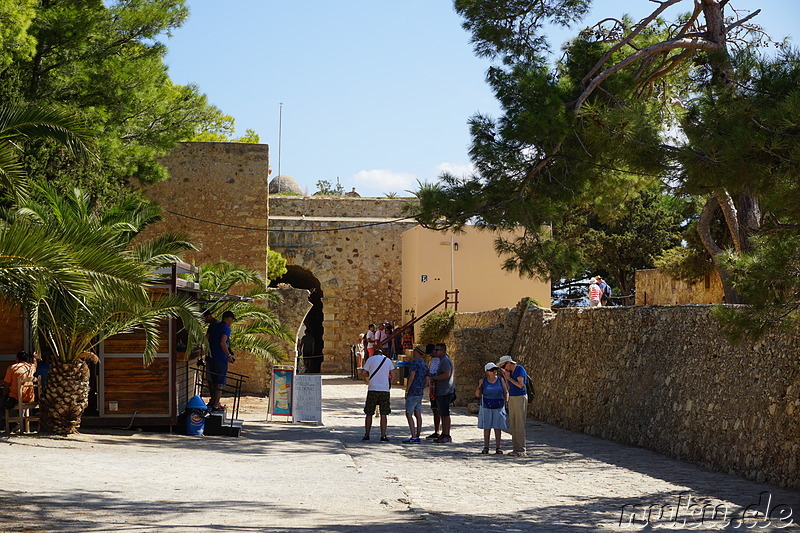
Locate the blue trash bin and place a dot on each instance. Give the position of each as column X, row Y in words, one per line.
column 196, row 414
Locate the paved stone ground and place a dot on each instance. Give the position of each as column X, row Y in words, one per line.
column 280, row 477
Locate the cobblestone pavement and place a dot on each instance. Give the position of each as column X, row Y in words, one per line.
column 281, row 477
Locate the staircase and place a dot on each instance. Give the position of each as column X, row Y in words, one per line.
column 225, row 422
column 219, row 424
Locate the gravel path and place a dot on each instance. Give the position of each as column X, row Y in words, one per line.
column 281, row 477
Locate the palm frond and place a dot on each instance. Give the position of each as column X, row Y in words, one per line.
column 162, row 249
column 40, row 122
column 260, row 346
column 12, row 172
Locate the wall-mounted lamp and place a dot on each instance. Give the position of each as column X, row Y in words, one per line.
column 455, row 246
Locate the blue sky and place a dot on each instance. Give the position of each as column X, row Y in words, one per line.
column 376, row 93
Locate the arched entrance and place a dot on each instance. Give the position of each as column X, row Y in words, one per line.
column 300, row 278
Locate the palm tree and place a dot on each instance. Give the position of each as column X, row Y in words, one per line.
column 114, row 298
column 72, row 269
column 74, row 296
column 256, row 327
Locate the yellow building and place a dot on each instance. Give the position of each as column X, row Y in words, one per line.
column 436, row 261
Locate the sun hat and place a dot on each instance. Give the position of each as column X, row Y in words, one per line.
column 505, row 359
column 490, row 366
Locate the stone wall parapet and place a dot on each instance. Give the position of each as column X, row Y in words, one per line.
column 322, row 206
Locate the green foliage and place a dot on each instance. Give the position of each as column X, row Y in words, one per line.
column 15, row 41
column 436, row 326
column 532, row 302
column 98, row 286
column 222, row 129
column 111, row 226
column 325, row 188
column 629, row 106
column 276, row 265
column 105, row 64
column 769, row 278
column 583, row 243
column 689, row 260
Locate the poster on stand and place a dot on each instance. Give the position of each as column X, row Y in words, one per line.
column 280, row 401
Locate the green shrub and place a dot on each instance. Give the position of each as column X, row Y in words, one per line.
column 276, row 265
column 532, row 301
column 436, row 326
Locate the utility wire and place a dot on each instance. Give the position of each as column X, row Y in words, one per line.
column 278, row 230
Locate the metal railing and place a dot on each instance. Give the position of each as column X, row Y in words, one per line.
column 354, row 362
column 447, row 302
column 232, row 388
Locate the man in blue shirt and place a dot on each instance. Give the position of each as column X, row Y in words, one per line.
column 516, row 377
column 219, row 336
column 443, row 381
column 415, row 388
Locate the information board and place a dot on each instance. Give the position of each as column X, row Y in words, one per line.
column 307, row 398
column 280, row 401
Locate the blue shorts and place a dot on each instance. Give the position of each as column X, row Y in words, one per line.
column 413, row 403
column 217, row 371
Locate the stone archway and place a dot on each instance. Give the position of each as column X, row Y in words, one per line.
column 301, row 278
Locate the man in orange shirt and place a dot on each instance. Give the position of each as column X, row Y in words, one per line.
column 22, row 368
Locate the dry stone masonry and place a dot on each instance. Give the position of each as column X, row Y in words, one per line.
column 352, row 247
column 663, row 378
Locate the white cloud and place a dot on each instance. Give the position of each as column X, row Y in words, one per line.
column 378, row 182
column 455, row 169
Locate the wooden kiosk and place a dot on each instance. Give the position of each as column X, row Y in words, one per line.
column 124, row 392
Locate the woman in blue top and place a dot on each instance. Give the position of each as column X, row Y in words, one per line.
column 493, row 394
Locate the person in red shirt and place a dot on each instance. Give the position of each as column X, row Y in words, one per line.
column 22, row 368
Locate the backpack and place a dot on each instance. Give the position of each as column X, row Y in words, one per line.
column 606, row 291
column 529, row 389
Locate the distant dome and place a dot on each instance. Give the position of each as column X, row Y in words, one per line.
column 353, row 193
column 284, row 183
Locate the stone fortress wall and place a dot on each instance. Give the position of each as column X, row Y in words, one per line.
column 351, row 247
column 356, row 271
column 659, row 377
column 222, row 182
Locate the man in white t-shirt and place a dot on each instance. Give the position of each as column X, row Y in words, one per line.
column 378, row 370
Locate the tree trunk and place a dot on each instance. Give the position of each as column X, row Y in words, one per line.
column 748, row 209
column 625, row 287
column 704, row 232
column 65, row 397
